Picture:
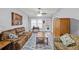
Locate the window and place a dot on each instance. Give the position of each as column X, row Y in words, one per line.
column 33, row 23
column 36, row 23
column 40, row 23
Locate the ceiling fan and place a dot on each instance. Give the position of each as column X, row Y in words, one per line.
column 41, row 13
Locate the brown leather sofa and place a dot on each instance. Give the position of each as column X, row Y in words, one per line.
column 19, row 42
column 59, row 45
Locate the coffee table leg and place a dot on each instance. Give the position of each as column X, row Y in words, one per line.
column 47, row 41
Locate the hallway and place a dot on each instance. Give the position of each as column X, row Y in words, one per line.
column 31, row 43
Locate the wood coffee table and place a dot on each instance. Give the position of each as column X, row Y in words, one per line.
column 41, row 39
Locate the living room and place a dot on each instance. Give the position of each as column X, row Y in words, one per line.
column 35, row 28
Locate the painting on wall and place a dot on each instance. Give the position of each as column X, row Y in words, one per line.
column 16, row 19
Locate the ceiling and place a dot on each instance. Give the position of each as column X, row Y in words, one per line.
column 47, row 12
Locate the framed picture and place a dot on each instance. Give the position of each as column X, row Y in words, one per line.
column 16, row 19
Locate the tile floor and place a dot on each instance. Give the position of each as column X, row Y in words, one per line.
column 31, row 43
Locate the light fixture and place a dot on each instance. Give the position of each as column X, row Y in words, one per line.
column 39, row 12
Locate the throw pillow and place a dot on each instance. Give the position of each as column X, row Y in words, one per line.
column 12, row 36
column 66, row 39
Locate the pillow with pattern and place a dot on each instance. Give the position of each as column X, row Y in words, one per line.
column 12, row 36
column 66, row 39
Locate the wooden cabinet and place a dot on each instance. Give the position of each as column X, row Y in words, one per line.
column 61, row 26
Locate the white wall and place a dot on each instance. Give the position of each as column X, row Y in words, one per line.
column 72, row 13
column 74, row 26
column 68, row 12
column 5, row 18
column 48, row 22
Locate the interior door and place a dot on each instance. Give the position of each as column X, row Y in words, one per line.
column 56, row 27
column 65, row 25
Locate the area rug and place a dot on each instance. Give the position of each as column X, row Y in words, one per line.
column 31, row 44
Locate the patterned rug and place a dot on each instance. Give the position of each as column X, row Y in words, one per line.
column 31, row 43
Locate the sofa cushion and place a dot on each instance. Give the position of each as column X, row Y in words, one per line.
column 22, row 40
column 20, row 31
column 12, row 31
column 66, row 39
column 5, row 34
column 20, row 34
